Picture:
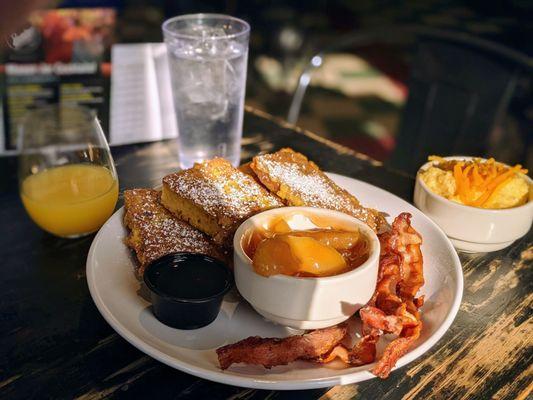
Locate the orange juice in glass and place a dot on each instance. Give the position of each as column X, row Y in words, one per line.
column 67, row 179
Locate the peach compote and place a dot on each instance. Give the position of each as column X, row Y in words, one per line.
column 316, row 252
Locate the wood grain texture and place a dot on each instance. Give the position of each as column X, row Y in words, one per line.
column 55, row 345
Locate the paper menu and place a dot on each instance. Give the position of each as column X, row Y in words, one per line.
column 141, row 95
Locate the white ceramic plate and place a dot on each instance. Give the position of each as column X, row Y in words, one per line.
column 116, row 292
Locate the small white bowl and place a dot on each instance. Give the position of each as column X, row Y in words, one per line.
column 306, row 303
column 473, row 229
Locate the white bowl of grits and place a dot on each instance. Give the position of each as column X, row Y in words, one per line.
column 482, row 205
column 305, row 268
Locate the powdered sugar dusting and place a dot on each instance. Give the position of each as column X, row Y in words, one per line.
column 302, row 183
column 311, row 188
column 222, row 191
column 158, row 232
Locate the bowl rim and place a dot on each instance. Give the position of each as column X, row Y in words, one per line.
column 511, row 210
column 370, row 263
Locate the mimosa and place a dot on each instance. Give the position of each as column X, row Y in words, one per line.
column 70, row 200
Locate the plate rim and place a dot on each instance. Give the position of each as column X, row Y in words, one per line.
column 269, row 384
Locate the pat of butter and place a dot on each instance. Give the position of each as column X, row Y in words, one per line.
column 299, row 222
column 289, row 223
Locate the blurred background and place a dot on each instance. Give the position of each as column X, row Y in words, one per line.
column 370, row 57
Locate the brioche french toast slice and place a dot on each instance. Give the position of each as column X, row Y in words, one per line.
column 155, row 232
column 215, row 197
column 300, row 182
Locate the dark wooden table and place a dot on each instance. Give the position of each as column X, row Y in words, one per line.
column 54, row 343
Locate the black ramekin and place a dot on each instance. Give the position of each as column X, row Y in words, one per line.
column 179, row 312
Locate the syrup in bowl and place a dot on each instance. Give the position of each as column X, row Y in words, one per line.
column 187, row 289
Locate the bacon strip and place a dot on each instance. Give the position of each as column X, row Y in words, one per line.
column 364, row 352
column 338, row 352
column 407, row 246
column 274, row 351
column 374, row 317
column 399, row 279
column 396, row 349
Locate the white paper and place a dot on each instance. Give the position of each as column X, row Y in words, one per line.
column 141, row 95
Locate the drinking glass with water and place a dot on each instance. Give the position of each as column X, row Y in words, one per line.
column 207, row 58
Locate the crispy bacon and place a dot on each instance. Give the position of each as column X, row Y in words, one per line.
column 340, row 352
column 399, row 279
column 274, row 351
column 374, row 317
column 364, row 352
column 406, row 244
column 396, row 349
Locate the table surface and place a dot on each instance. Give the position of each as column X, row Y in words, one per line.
column 55, row 344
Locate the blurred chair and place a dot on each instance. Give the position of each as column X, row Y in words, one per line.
column 459, row 87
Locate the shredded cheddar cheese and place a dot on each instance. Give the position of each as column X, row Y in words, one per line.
column 477, row 182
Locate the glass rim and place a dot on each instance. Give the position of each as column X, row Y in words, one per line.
column 166, row 30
